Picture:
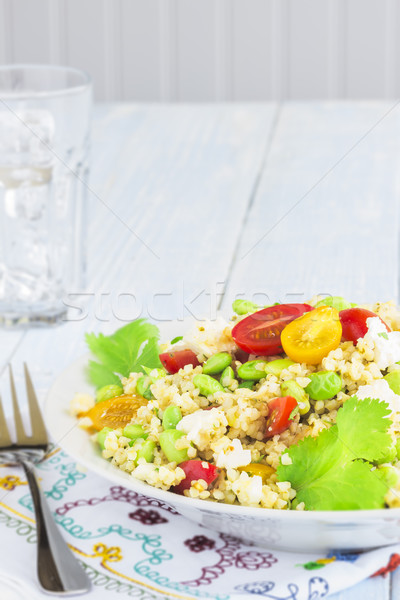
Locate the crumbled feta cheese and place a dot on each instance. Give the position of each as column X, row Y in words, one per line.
column 234, row 456
column 209, row 337
column 203, row 425
column 380, row 389
column 248, row 489
column 385, row 344
column 285, row 459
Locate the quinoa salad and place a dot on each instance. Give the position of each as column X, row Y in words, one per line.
column 288, row 407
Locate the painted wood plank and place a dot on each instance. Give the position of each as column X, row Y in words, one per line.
column 85, row 30
column 308, row 52
column 252, row 49
column 395, row 585
column 196, row 50
column 325, row 219
column 365, row 56
column 140, row 51
column 30, row 44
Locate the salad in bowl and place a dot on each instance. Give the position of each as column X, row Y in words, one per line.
column 291, row 407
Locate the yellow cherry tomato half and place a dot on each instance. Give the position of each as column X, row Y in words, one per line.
column 115, row 412
column 313, row 335
column 264, row 471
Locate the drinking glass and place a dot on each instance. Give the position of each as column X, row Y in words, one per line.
column 44, row 141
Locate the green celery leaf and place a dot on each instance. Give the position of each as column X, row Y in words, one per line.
column 126, row 351
column 329, row 471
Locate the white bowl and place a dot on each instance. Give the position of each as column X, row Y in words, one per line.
column 313, row 531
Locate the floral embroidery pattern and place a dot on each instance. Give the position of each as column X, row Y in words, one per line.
column 230, row 557
column 392, row 565
column 119, row 494
column 147, row 517
column 199, row 543
column 10, row 482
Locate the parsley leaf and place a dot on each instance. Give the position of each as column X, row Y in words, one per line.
column 126, row 351
column 333, row 471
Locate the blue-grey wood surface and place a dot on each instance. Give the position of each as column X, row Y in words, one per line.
column 192, row 206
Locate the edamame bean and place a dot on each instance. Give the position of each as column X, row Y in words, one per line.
column 171, row 417
column 335, row 301
column 250, row 371
column 134, row 432
column 247, row 384
column 242, row 307
column 101, row 436
column 227, row 376
column 275, row 367
column 108, row 391
column 324, row 385
column 168, row 440
column 294, row 389
column 217, row 363
column 207, row 385
column 393, row 380
column 143, row 387
column 146, row 451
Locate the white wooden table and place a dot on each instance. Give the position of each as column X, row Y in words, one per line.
column 192, row 206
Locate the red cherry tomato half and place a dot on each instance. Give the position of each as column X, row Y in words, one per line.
column 175, row 360
column 280, row 410
column 195, row 469
column 260, row 333
column 354, row 323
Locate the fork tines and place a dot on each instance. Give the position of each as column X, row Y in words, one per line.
column 39, row 435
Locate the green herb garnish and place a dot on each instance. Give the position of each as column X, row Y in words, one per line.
column 128, row 350
column 334, row 470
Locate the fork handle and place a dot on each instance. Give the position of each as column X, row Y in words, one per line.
column 58, row 570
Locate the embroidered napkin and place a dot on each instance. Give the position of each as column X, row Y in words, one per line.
column 137, row 547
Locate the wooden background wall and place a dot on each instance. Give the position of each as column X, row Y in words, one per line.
column 213, row 50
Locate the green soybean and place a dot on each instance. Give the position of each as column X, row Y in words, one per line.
column 108, row 391
column 247, row 384
column 217, row 363
column 275, row 367
column 207, row 385
column 146, row 451
column 336, row 302
column 134, row 432
column 227, row 377
column 292, row 388
column 393, row 380
column 101, row 436
column 168, row 440
column 171, row 417
column 324, row 385
column 242, row 307
column 249, row 371
column 143, row 387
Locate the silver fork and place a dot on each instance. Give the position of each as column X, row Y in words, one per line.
column 58, row 570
